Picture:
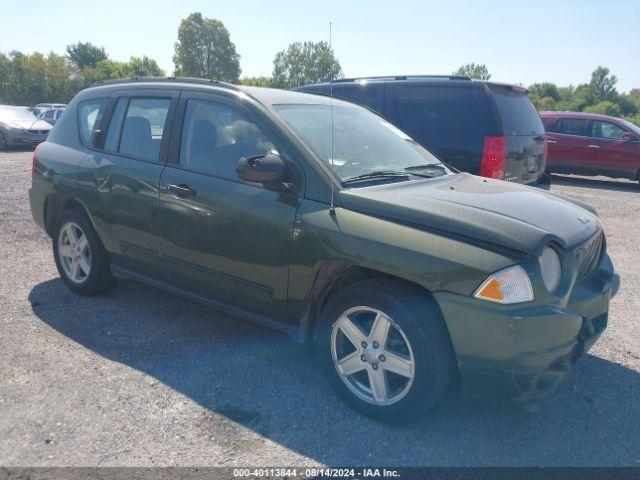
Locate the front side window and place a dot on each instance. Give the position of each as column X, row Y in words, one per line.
column 89, row 115
column 363, row 143
column 143, row 128
column 215, row 136
column 368, row 95
column 573, row 126
column 606, row 130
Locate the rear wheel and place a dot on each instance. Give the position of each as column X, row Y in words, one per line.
column 80, row 257
column 3, row 142
column 385, row 349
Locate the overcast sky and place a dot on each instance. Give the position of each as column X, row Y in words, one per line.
column 521, row 42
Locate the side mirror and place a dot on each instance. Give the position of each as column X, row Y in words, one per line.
column 629, row 137
column 266, row 169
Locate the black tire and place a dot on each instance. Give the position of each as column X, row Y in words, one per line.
column 3, row 142
column 99, row 278
column 421, row 322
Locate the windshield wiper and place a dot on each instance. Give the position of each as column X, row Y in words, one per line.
column 377, row 174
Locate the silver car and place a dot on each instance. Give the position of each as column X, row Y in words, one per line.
column 19, row 126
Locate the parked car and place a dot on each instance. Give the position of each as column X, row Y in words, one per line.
column 484, row 128
column 591, row 144
column 51, row 116
column 400, row 273
column 19, row 126
column 43, row 107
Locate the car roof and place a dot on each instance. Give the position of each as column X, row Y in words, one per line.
column 415, row 79
column 557, row 114
column 266, row 96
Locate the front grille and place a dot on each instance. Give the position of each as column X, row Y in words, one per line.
column 589, row 254
column 38, row 132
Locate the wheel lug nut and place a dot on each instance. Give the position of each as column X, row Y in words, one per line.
column 374, row 366
column 382, row 358
column 364, row 344
column 376, row 344
column 363, row 358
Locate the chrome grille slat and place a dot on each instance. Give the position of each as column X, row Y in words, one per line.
column 589, row 255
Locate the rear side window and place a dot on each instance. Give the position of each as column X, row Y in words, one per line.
column 143, row 128
column 424, row 109
column 572, row 126
column 368, row 95
column 517, row 113
column 89, row 116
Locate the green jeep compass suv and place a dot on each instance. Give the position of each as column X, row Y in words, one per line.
column 319, row 218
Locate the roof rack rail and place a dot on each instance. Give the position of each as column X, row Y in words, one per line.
column 401, row 77
column 200, row 81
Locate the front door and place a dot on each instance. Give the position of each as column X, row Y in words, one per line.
column 223, row 238
column 610, row 153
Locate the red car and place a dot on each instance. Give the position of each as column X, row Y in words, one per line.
column 590, row 144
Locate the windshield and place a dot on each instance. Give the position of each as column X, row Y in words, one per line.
column 363, row 143
column 16, row 113
column 632, row 126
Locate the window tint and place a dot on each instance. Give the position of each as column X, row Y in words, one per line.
column 433, row 109
column 573, row 126
column 115, row 125
column 215, row 136
column 89, row 115
column 143, row 128
column 517, row 113
column 600, row 129
column 368, row 95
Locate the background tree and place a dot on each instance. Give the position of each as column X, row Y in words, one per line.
column 143, row 67
column 85, row 54
column 306, row 62
column 603, row 85
column 256, row 81
column 204, row 49
column 477, row 71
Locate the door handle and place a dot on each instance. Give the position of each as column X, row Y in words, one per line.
column 181, row 190
column 593, row 146
column 552, row 141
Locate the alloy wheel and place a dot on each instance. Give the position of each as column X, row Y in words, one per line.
column 372, row 355
column 74, row 252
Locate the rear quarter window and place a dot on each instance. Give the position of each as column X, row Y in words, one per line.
column 425, row 109
column 90, row 114
column 517, row 112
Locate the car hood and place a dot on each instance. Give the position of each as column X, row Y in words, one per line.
column 35, row 124
column 510, row 215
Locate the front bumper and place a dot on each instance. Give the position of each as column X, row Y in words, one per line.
column 526, row 352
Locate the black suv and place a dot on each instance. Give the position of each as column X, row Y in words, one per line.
column 479, row 127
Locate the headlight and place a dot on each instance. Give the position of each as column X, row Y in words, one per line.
column 511, row 285
column 551, row 269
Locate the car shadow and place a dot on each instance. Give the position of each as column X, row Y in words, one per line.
column 263, row 381
column 595, row 182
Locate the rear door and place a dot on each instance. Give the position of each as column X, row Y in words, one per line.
column 125, row 174
column 609, row 153
column 523, row 131
column 569, row 142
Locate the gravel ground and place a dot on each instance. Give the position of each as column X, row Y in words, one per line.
column 140, row 377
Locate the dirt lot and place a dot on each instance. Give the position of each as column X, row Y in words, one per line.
column 140, row 377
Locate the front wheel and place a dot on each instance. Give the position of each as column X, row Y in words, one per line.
column 80, row 257
column 3, row 142
column 385, row 349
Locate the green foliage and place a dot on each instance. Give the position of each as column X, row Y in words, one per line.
column 604, row 108
column 603, row 85
column 256, row 81
column 204, row 49
column 476, row 71
column 85, row 54
column 303, row 63
column 544, row 90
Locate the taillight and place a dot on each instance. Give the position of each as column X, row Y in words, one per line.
column 494, row 154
